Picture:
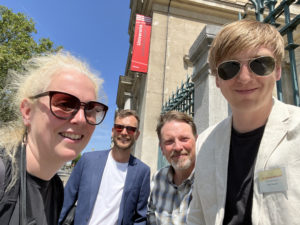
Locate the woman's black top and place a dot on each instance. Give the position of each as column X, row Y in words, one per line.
column 44, row 200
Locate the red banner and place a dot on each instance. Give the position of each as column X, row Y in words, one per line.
column 141, row 44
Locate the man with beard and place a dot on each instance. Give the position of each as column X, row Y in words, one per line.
column 110, row 187
column 171, row 186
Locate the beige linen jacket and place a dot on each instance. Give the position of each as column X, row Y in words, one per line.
column 279, row 148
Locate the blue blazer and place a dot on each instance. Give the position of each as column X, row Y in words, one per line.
column 84, row 183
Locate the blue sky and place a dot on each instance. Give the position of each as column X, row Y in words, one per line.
column 94, row 30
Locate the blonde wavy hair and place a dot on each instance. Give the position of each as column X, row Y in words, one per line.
column 33, row 80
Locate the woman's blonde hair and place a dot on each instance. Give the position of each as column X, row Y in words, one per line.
column 34, row 79
column 243, row 35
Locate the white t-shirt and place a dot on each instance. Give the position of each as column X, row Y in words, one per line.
column 107, row 205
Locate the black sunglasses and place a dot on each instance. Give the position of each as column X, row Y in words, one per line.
column 261, row 66
column 65, row 106
column 119, row 128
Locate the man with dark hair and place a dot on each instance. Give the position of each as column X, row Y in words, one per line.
column 248, row 165
column 171, row 186
column 111, row 187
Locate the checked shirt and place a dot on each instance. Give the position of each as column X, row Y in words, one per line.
column 168, row 203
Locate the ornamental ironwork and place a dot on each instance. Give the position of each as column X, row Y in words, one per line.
column 182, row 100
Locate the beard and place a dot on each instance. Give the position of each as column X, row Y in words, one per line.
column 181, row 164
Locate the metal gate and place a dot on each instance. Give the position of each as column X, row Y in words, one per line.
column 182, row 100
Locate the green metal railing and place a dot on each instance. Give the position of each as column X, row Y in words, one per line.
column 182, row 100
column 287, row 29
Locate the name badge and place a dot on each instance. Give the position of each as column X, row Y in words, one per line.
column 273, row 180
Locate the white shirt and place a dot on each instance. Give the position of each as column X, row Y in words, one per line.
column 107, row 205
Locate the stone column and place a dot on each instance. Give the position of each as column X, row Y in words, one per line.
column 209, row 104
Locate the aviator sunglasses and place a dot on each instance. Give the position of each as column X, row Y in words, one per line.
column 119, row 128
column 261, row 66
column 65, row 106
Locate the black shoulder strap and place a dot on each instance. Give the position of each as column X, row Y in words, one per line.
column 2, row 177
column 23, row 204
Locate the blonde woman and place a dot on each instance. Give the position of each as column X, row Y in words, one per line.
column 56, row 101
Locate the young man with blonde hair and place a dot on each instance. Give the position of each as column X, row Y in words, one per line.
column 248, row 165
